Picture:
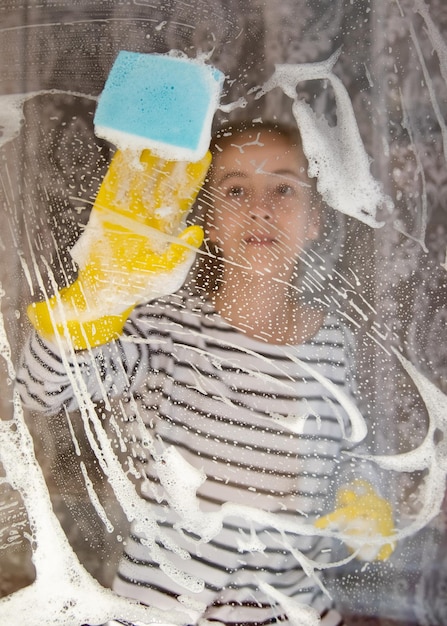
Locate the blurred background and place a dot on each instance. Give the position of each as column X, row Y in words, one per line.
column 393, row 63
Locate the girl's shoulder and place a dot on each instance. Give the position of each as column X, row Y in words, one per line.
column 181, row 308
column 333, row 327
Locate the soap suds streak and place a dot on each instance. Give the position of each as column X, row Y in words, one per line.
column 419, row 173
column 430, row 456
column 228, row 509
column 11, row 110
column 429, row 83
column 89, row 601
column 57, row 567
column 94, row 499
column 336, row 155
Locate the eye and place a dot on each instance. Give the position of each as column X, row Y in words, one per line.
column 235, row 191
column 285, row 189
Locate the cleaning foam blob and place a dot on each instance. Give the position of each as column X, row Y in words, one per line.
column 161, row 102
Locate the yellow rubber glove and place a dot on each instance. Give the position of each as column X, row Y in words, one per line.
column 133, row 249
column 361, row 514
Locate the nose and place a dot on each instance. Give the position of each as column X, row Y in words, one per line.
column 260, row 207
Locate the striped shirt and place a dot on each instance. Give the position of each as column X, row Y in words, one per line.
column 263, row 433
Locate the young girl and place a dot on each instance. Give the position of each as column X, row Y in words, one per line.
column 228, row 380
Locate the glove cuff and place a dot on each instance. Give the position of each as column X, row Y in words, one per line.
column 80, row 335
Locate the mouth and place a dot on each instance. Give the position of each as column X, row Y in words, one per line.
column 259, row 240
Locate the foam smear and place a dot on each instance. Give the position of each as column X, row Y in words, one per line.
column 298, row 614
column 336, row 155
column 431, row 455
column 358, row 425
column 5, row 348
column 136, row 509
column 11, row 110
column 439, row 45
column 75, row 596
column 180, row 481
column 63, row 592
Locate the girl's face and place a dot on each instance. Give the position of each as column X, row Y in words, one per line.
column 262, row 213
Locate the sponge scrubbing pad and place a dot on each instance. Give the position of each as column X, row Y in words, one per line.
column 161, row 102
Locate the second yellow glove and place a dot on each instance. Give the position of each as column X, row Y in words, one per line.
column 361, row 515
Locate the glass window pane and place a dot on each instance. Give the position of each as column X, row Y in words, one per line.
column 252, row 431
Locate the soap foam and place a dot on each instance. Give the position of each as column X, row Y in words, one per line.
column 336, row 155
column 63, row 594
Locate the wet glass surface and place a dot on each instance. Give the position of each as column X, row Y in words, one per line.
column 366, row 85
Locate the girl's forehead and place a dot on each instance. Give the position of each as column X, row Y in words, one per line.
column 253, row 138
column 260, row 151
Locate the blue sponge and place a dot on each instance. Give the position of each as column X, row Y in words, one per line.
column 162, row 102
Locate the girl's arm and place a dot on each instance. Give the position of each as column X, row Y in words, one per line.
column 134, row 249
column 49, row 379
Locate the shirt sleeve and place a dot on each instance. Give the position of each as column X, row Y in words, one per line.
column 49, row 379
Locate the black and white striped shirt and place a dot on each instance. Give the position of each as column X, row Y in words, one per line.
column 253, row 418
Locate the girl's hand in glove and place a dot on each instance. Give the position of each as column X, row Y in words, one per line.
column 361, row 516
column 134, row 248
